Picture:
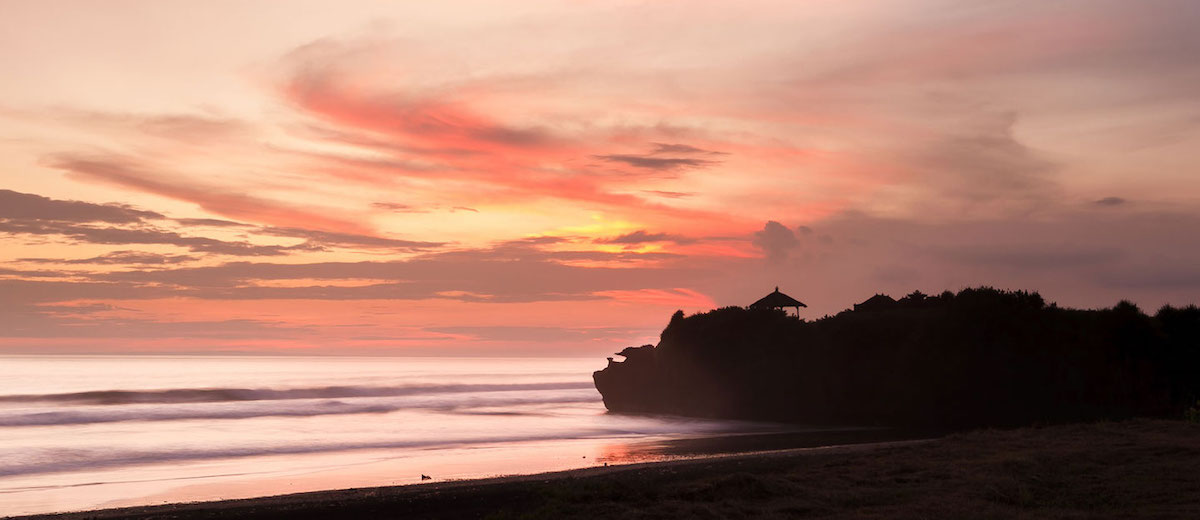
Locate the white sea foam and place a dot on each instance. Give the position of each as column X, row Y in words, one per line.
column 79, row 432
column 292, row 407
column 205, row 395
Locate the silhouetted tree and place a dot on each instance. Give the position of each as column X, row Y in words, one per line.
column 979, row 357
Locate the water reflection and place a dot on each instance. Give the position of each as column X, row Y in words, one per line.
column 671, row 448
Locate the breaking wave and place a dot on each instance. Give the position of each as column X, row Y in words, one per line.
column 55, row 461
column 210, row 395
column 174, row 411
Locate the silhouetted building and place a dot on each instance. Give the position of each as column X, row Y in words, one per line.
column 878, row 302
column 778, row 300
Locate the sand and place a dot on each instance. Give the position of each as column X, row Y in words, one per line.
column 1141, row 469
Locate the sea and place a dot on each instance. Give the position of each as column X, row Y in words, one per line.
column 91, row 432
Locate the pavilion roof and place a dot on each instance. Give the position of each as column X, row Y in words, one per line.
column 776, row 300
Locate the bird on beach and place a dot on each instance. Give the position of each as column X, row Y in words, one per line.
column 426, row 477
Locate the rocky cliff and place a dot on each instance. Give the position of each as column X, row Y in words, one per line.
column 978, row 357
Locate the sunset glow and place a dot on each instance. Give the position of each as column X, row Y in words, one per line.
column 557, row 178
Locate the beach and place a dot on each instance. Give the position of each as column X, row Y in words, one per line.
column 628, row 259
column 1132, row 469
column 92, row 432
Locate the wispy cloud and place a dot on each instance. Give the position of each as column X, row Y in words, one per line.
column 565, row 167
column 33, row 215
column 641, row 236
column 145, row 236
column 28, row 206
column 117, row 258
column 327, row 238
column 653, row 162
column 1110, row 201
column 128, row 173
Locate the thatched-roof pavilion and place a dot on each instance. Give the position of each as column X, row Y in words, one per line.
column 878, row 302
column 778, row 300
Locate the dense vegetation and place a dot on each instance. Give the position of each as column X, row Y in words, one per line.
column 979, row 357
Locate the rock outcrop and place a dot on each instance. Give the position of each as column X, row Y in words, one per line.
column 979, row 357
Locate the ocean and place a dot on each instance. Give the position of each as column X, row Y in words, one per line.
column 88, row 432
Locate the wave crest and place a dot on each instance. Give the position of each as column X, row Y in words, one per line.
column 212, row 395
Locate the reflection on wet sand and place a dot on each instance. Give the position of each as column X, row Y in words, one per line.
column 663, row 449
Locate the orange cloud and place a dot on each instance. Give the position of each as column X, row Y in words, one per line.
column 221, row 201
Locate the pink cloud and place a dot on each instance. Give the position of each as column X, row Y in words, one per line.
column 450, row 134
column 219, row 200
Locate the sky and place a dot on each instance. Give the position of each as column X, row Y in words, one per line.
column 557, row 178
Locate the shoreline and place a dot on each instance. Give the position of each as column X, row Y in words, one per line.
column 1140, row 468
column 279, row 504
column 358, row 469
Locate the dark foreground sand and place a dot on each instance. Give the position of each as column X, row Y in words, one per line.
column 1144, row 469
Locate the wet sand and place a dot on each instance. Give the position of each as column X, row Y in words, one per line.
column 1144, row 469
